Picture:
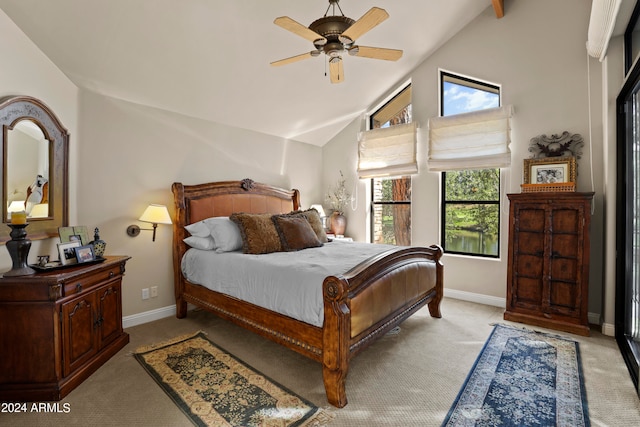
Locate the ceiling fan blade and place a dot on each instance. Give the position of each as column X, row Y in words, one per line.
column 369, row 20
column 336, row 70
column 300, row 30
column 292, row 59
column 376, row 53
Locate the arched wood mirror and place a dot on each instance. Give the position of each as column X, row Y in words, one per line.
column 35, row 163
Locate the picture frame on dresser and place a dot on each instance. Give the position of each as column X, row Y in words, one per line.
column 84, row 254
column 67, row 252
column 76, row 233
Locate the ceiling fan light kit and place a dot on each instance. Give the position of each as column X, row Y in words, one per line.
column 335, row 34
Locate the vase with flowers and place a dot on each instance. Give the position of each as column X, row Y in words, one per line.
column 337, row 198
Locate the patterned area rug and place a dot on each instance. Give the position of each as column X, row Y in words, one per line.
column 214, row 388
column 523, row 378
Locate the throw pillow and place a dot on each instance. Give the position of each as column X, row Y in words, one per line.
column 295, row 232
column 259, row 235
column 313, row 217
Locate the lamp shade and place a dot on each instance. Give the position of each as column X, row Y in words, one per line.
column 320, row 209
column 156, row 214
column 16, row 206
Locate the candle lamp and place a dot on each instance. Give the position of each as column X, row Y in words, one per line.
column 18, row 217
column 18, row 248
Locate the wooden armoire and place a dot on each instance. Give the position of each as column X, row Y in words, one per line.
column 548, row 267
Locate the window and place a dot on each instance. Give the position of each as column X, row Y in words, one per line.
column 471, row 198
column 391, row 197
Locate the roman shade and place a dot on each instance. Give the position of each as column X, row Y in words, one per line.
column 475, row 140
column 601, row 25
column 388, row 151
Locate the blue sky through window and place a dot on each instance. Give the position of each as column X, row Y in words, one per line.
column 463, row 99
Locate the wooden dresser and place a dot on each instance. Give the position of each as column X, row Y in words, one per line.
column 548, row 267
column 58, row 327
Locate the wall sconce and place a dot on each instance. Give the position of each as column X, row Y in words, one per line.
column 155, row 214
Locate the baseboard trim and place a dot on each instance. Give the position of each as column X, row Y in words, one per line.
column 161, row 313
column 473, row 297
column 594, row 318
column 608, row 329
column 148, row 316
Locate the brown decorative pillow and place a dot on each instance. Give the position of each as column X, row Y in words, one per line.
column 313, row 217
column 259, row 235
column 295, row 232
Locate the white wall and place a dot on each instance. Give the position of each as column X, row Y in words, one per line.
column 26, row 70
column 537, row 54
column 132, row 154
column 124, row 156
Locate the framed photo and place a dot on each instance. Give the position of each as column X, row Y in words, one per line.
column 550, row 170
column 84, row 253
column 67, row 252
column 78, row 233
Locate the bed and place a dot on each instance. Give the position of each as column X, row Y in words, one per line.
column 359, row 305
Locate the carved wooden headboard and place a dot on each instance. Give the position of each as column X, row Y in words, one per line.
column 196, row 202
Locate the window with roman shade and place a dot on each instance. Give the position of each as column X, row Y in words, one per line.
column 389, row 151
column 475, row 140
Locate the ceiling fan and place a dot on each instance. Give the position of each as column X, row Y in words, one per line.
column 336, row 34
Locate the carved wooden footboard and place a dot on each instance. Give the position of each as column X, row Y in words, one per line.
column 369, row 300
column 359, row 306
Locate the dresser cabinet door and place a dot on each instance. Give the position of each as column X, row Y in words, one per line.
column 109, row 312
column 78, row 332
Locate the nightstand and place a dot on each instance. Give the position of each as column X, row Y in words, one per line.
column 342, row 239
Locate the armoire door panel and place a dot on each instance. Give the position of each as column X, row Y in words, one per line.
column 531, row 242
column 566, row 220
column 566, row 269
column 564, row 296
column 530, row 266
column 528, row 291
column 531, row 219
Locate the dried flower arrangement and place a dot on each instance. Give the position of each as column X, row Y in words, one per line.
column 337, row 196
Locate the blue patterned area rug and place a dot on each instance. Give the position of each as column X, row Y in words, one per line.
column 214, row 388
column 523, row 378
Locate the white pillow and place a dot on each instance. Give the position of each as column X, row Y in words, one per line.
column 225, row 233
column 205, row 243
column 198, row 229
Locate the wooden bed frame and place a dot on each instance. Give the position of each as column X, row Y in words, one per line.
column 359, row 306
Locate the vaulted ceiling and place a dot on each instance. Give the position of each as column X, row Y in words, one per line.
column 209, row 59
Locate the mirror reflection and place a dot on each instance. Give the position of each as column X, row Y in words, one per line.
column 35, row 170
column 27, row 179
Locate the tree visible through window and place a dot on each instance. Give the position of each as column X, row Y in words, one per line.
column 391, row 197
column 471, row 198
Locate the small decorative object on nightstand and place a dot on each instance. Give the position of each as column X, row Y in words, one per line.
column 99, row 245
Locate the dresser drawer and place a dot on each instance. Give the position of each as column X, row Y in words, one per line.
column 86, row 282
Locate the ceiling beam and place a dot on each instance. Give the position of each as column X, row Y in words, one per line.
column 498, row 6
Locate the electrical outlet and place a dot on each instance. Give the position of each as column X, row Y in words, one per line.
column 145, row 293
column 154, row 291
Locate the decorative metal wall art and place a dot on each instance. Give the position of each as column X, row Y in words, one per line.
column 563, row 145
